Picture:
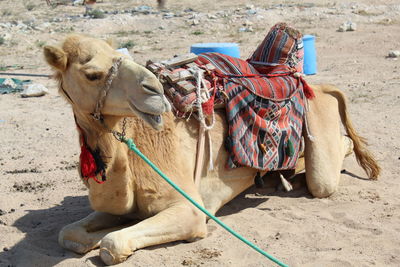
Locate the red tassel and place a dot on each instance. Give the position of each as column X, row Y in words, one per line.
column 88, row 164
column 208, row 107
column 87, row 161
column 308, row 91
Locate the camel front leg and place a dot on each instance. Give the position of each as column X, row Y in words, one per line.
column 85, row 235
column 180, row 222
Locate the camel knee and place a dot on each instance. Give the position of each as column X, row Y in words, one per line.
column 196, row 227
column 323, row 189
column 72, row 238
column 67, row 232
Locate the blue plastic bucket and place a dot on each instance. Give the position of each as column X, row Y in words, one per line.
column 310, row 55
column 229, row 49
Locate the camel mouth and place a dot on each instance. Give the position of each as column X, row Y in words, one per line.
column 155, row 120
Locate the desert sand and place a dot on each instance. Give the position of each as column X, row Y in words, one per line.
column 40, row 190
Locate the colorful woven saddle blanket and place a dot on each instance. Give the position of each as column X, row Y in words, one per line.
column 264, row 112
column 264, row 98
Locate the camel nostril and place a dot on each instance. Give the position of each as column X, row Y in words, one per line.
column 150, row 89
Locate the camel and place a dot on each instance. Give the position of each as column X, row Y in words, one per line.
column 134, row 208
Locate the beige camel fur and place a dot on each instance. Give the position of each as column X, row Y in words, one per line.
column 135, row 208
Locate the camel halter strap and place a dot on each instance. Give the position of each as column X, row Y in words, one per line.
column 96, row 115
column 103, row 93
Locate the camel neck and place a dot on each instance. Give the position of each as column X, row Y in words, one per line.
column 158, row 145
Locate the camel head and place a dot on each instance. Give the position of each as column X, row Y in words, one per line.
column 83, row 66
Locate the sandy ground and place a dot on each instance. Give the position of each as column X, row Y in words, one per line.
column 40, row 190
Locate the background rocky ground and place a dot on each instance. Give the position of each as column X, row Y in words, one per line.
column 40, row 190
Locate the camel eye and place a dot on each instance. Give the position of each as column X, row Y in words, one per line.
column 85, row 60
column 93, row 76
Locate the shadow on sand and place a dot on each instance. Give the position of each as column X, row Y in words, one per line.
column 39, row 247
column 253, row 197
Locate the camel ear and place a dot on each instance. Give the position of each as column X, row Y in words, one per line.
column 111, row 42
column 55, row 57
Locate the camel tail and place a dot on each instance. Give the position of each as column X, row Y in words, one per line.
column 363, row 155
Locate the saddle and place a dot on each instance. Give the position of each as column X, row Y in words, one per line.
column 263, row 96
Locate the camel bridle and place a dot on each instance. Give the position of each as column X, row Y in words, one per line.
column 96, row 115
column 112, row 72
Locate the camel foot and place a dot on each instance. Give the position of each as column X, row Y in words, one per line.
column 114, row 250
column 74, row 246
column 109, row 259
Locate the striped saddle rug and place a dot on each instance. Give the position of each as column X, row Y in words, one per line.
column 264, row 98
column 264, row 112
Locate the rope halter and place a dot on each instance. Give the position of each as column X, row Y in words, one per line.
column 113, row 71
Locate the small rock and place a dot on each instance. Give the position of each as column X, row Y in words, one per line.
column 277, row 235
column 6, row 249
column 5, row 25
column 22, row 26
column 77, row 2
column 342, row 28
column 251, row 12
column 347, row 27
column 6, row 36
column 394, row 54
column 168, row 15
column 144, row 9
column 307, row 5
column 247, row 23
column 193, row 16
column 246, row 29
column 194, row 22
column 42, row 26
column 223, row 14
column 386, row 21
column 34, row 90
column 352, row 27
column 30, row 22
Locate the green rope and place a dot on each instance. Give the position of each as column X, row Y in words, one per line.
column 131, row 145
